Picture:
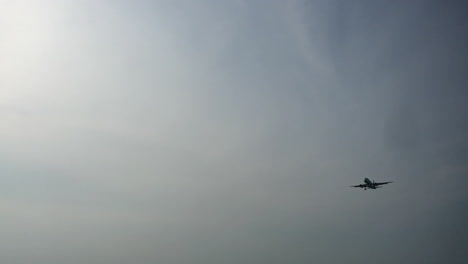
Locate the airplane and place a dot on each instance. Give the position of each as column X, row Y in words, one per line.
column 368, row 184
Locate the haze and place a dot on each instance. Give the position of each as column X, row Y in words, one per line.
column 230, row 131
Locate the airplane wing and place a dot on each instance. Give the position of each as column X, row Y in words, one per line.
column 359, row 186
column 381, row 183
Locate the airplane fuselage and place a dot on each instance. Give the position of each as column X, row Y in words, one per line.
column 369, row 184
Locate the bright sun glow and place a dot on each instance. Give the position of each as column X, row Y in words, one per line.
column 28, row 34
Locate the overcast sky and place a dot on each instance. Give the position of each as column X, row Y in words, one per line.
column 229, row 132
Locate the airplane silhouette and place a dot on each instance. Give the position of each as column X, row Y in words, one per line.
column 368, row 184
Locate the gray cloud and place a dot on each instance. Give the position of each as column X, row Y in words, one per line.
column 229, row 132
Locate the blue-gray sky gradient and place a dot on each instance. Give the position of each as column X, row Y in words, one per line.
column 229, row 131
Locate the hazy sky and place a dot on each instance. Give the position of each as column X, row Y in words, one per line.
column 229, row 132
